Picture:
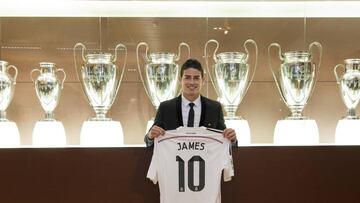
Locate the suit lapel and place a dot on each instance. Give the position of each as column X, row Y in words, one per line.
column 179, row 111
column 203, row 111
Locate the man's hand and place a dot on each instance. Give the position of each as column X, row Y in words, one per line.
column 230, row 134
column 156, row 131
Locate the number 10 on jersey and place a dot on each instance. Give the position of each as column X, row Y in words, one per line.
column 192, row 187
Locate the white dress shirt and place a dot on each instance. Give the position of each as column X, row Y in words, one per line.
column 185, row 108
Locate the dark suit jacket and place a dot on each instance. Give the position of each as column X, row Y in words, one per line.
column 169, row 115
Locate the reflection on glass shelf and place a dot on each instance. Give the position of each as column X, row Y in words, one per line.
column 348, row 132
column 9, row 136
column 49, row 134
column 296, row 132
column 101, row 134
column 242, row 130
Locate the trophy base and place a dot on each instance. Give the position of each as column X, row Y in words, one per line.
column 297, row 118
column 48, row 119
column 49, row 116
column 230, row 112
column 296, row 113
column 350, row 118
column 4, row 120
column 351, row 115
column 233, row 118
column 3, row 116
column 100, row 119
column 100, row 114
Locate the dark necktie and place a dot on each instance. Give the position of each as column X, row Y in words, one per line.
column 191, row 115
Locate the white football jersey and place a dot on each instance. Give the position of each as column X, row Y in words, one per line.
column 188, row 163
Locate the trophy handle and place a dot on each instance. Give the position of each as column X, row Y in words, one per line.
column 269, row 54
column 335, row 72
column 207, row 61
column 271, row 68
column 31, row 74
column 83, row 48
column 138, row 64
column 123, row 66
column 16, row 72
column 116, row 50
column 250, row 41
column 318, row 45
column 63, row 80
column 179, row 50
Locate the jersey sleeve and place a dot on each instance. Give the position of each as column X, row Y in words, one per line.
column 228, row 165
column 152, row 171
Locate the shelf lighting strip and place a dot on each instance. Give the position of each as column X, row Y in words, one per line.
column 197, row 9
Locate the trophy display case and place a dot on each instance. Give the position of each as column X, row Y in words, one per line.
column 28, row 39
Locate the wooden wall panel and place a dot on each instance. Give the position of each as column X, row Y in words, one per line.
column 262, row 174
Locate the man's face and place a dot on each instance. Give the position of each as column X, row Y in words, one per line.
column 191, row 83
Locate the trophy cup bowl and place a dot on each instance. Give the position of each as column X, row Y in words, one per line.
column 7, row 87
column 349, row 84
column 160, row 72
column 295, row 78
column 231, row 79
column 231, row 76
column 161, row 77
column 100, row 79
column 48, row 87
column 99, row 82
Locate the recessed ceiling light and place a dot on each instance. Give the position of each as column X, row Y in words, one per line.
column 218, row 28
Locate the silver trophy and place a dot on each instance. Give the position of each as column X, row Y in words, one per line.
column 48, row 87
column 161, row 73
column 231, row 76
column 100, row 79
column 7, row 87
column 349, row 84
column 295, row 77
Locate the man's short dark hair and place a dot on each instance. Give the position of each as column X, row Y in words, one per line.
column 192, row 63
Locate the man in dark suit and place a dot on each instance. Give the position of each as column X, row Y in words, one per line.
column 190, row 108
